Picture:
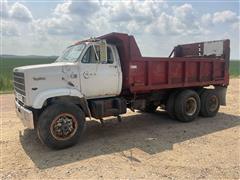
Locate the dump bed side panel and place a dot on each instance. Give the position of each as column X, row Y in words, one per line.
column 154, row 74
column 193, row 65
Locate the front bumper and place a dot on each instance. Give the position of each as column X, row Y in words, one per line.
column 25, row 115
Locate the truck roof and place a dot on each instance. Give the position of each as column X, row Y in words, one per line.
column 124, row 42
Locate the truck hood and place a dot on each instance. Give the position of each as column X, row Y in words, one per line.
column 41, row 67
column 44, row 77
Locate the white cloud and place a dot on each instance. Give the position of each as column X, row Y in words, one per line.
column 62, row 8
column 130, row 11
column 236, row 26
column 224, row 17
column 182, row 21
column 9, row 29
column 15, row 19
column 206, row 19
column 20, row 12
column 90, row 18
column 56, row 25
column 84, row 8
column 184, row 12
column 165, row 24
column 78, row 8
column 17, row 12
column 70, row 18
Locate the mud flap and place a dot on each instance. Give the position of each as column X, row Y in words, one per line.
column 221, row 91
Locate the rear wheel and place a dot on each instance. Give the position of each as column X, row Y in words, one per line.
column 187, row 106
column 210, row 103
column 60, row 125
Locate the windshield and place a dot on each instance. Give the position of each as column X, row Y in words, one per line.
column 71, row 54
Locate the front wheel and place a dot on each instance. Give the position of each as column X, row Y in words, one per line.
column 60, row 125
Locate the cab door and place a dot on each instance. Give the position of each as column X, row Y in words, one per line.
column 99, row 78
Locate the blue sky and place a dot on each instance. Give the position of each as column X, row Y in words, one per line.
column 47, row 27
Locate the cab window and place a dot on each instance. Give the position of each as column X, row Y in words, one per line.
column 90, row 55
column 109, row 55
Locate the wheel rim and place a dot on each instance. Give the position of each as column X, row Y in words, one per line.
column 213, row 103
column 64, row 126
column 191, row 106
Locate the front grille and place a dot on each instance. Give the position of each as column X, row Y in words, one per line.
column 19, row 82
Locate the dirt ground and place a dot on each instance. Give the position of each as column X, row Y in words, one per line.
column 149, row 146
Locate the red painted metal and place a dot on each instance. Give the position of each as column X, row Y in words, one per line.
column 188, row 67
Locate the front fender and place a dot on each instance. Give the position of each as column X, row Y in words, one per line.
column 43, row 96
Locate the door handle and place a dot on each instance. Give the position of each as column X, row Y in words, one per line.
column 92, row 74
column 113, row 66
column 73, row 76
column 87, row 74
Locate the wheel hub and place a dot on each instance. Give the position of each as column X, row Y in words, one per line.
column 64, row 126
column 191, row 106
column 213, row 103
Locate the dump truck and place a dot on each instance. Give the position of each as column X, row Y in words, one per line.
column 103, row 76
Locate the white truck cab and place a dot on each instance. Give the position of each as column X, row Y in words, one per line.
column 86, row 70
column 81, row 71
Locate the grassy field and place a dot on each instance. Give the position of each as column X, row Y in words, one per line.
column 9, row 62
column 235, row 68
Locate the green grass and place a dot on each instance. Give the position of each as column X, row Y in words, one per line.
column 235, row 68
column 8, row 63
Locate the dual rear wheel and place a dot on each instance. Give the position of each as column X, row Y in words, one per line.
column 186, row 105
column 210, row 103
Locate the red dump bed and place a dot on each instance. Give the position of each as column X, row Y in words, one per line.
column 192, row 65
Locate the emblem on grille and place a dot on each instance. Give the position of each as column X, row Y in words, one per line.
column 39, row 78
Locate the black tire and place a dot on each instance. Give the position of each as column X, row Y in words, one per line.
column 150, row 108
column 56, row 120
column 210, row 103
column 170, row 105
column 187, row 106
